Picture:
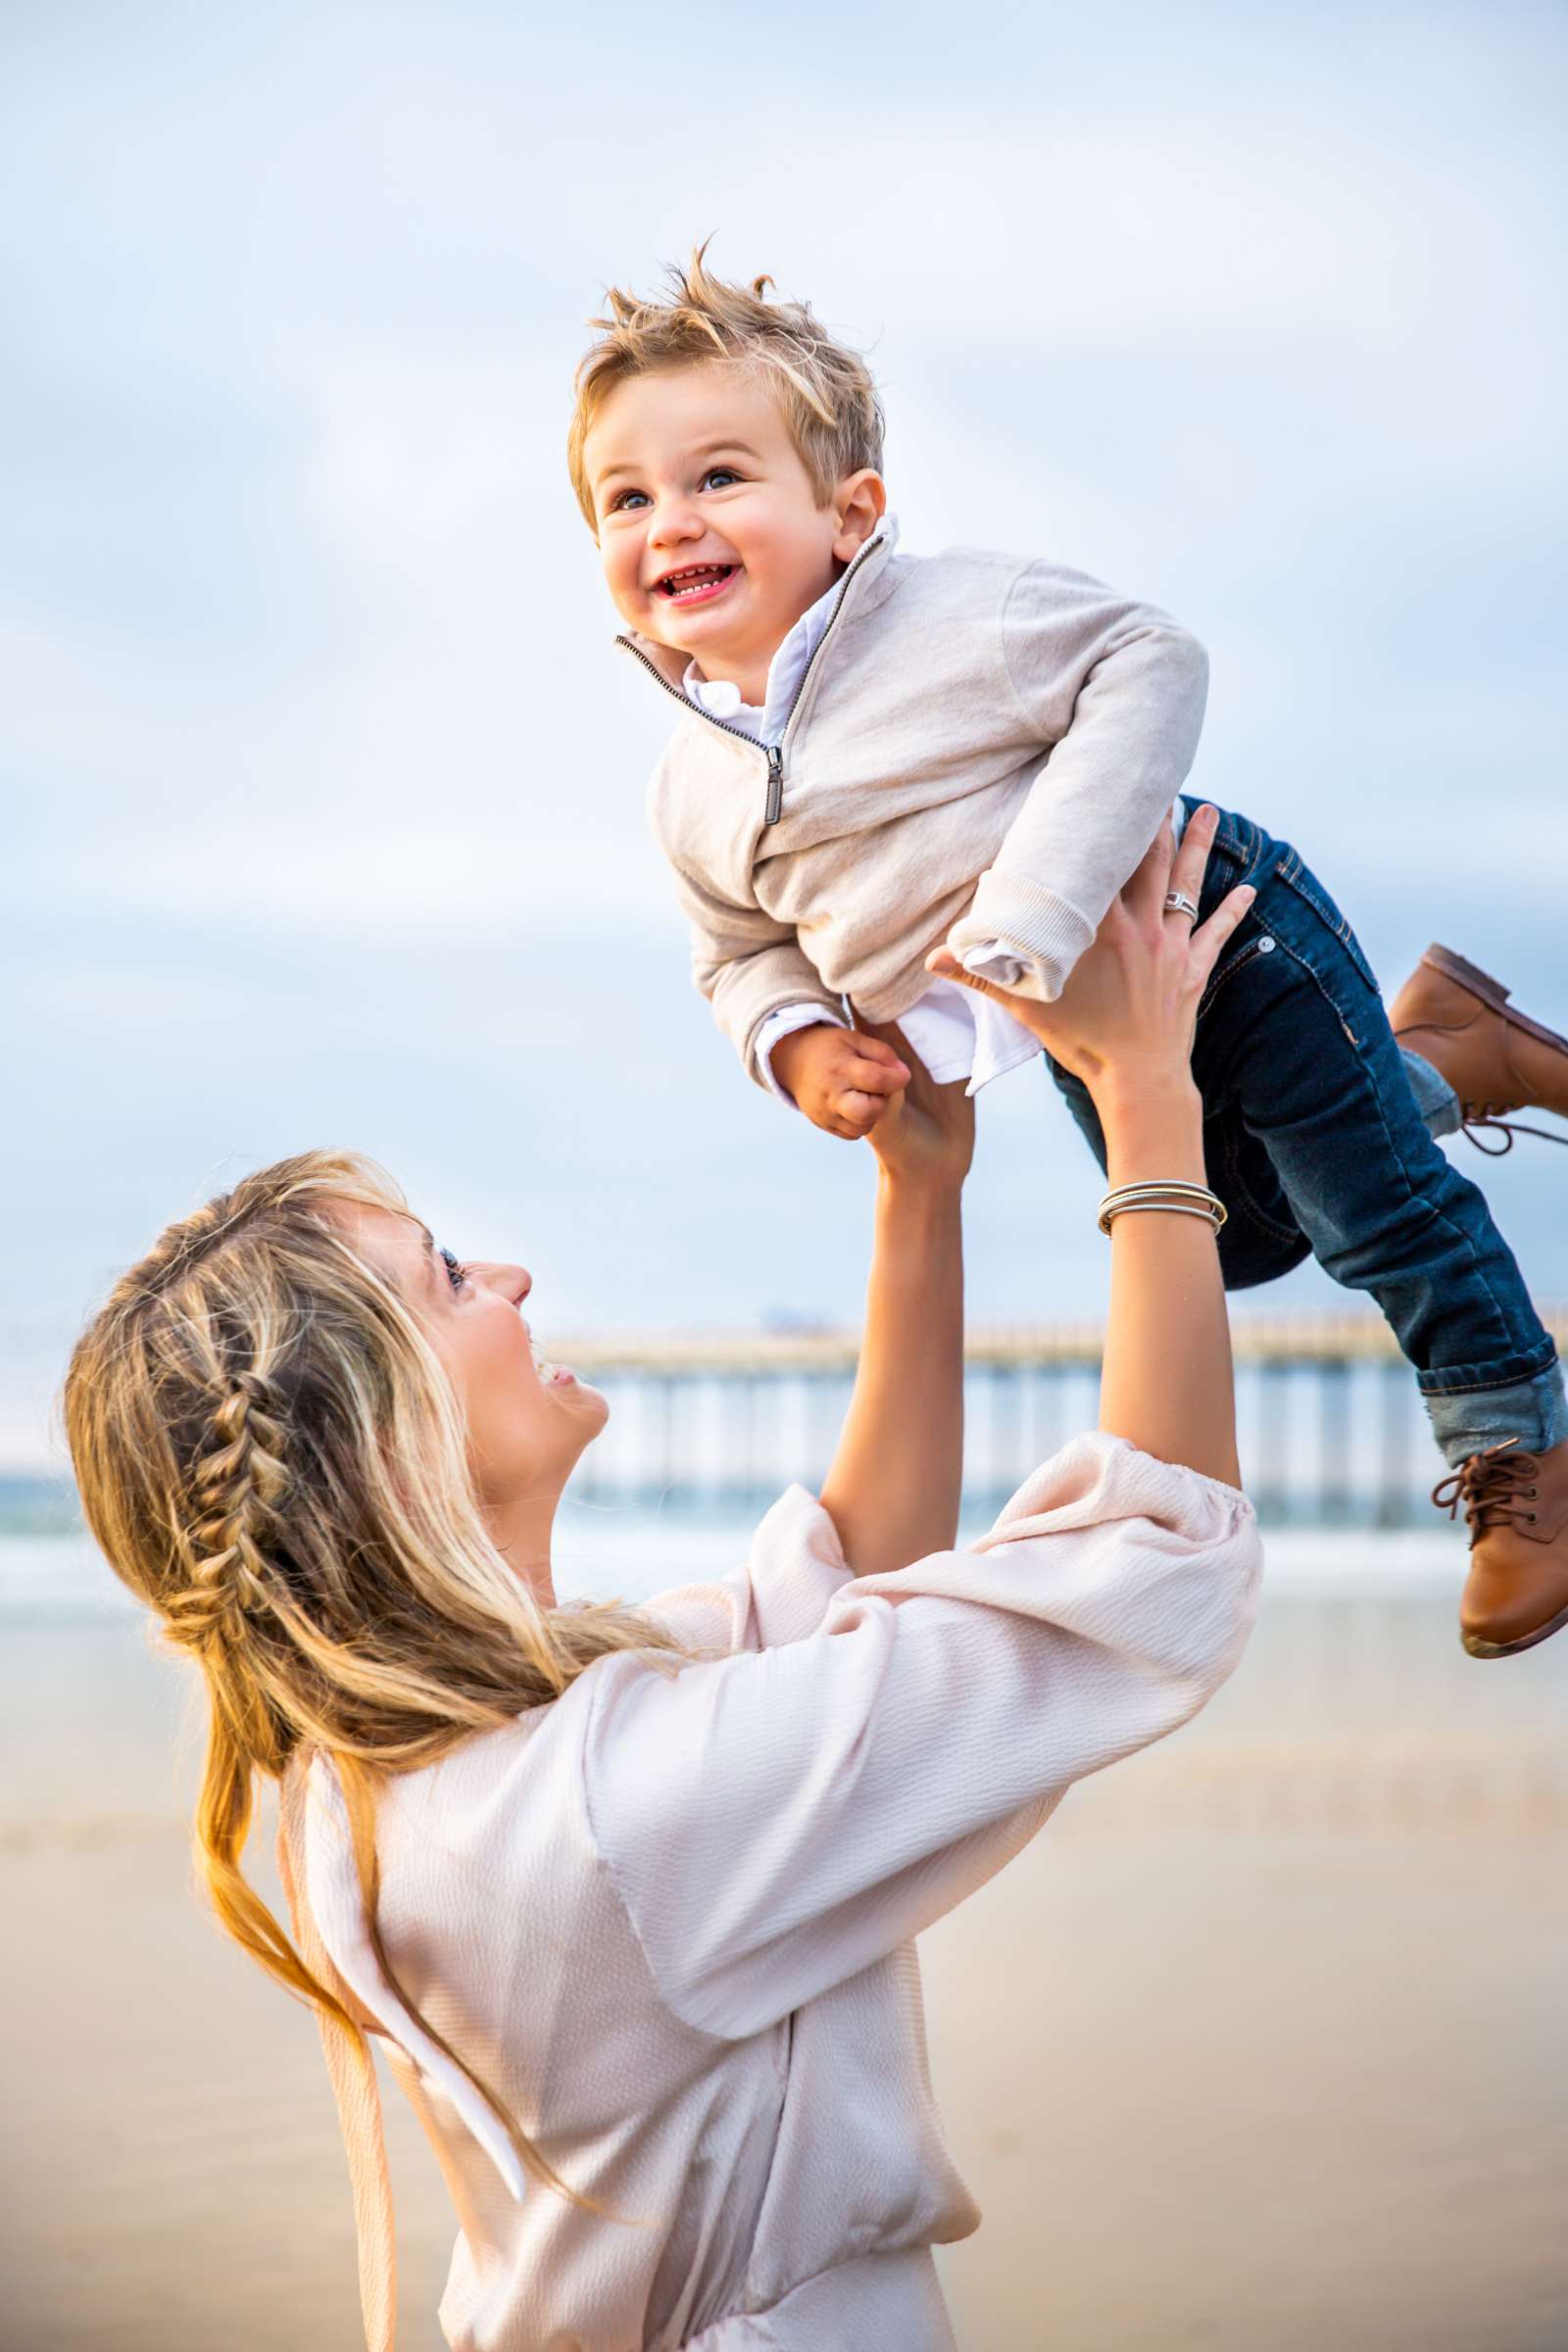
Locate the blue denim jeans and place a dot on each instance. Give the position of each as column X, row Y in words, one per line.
column 1318, row 1137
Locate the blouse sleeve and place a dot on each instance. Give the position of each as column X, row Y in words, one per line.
column 792, row 1571
column 779, row 1819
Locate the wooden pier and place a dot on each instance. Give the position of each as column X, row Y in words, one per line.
column 1332, row 1430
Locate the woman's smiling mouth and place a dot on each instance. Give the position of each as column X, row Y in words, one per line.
column 695, row 583
column 551, row 1376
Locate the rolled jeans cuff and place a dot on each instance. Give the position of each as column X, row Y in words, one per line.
column 1434, row 1098
column 1533, row 1412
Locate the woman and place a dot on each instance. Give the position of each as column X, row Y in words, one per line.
column 628, row 1895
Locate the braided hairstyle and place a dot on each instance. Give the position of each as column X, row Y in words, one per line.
column 272, row 1456
column 238, row 1486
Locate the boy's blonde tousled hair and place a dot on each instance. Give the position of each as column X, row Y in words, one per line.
column 272, row 1456
column 824, row 389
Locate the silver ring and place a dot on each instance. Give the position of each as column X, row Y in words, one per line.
column 1178, row 903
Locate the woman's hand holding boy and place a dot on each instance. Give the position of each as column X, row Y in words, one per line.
column 1126, row 1018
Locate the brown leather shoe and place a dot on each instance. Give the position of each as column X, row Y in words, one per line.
column 1516, row 1505
column 1496, row 1059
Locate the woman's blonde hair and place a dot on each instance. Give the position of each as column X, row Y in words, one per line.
column 824, row 389
column 271, row 1454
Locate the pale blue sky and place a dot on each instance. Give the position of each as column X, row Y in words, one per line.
column 323, row 785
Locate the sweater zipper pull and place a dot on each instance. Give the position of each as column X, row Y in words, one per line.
column 774, row 808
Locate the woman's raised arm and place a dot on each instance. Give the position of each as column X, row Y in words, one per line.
column 1124, row 1024
column 893, row 1490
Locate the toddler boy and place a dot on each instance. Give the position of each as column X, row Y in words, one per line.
column 879, row 754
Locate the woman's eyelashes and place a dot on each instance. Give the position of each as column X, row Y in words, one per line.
column 457, row 1273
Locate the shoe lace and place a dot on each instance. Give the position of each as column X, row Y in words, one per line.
column 1491, row 1486
column 1487, row 1118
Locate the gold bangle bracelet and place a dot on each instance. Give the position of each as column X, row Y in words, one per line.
column 1165, row 1208
column 1159, row 1184
column 1174, row 1195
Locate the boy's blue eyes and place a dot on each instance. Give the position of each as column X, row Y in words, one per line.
column 716, row 477
column 457, row 1274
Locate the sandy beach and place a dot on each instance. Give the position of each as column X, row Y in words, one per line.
column 1260, row 2046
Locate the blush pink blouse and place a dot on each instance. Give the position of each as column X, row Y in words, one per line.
column 670, row 1918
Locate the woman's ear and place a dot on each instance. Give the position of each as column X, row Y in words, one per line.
column 859, row 502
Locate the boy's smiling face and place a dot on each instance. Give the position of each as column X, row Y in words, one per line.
column 710, row 530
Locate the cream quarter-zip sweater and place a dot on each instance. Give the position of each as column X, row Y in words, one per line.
column 955, row 1032
column 667, row 1918
column 982, row 749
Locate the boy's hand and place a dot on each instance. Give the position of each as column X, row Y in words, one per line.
column 841, row 1078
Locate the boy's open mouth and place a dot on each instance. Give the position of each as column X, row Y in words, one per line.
column 694, row 582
